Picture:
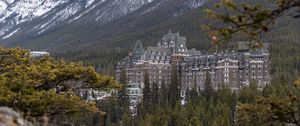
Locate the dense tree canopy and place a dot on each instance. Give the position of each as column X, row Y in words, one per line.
column 45, row 86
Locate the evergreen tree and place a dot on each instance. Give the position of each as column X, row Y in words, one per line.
column 187, row 94
column 141, row 113
column 208, row 91
column 123, row 99
column 194, row 97
column 126, row 119
column 163, row 94
column 160, row 117
column 112, row 112
column 123, row 77
column 147, row 98
column 45, row 86
column 194, row 121
column 155, row 95
column 177, row 116
column 174, row 88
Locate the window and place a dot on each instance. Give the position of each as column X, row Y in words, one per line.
column 226, row 75
column 226, row 80
column 168, row 58
column 226, row 70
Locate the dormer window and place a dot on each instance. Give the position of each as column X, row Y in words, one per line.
column 152, row 57
column 168, row 58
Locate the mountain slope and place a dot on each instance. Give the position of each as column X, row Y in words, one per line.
column 27, row 19
column 77, row 20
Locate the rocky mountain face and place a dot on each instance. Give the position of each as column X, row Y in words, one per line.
column 48, row 24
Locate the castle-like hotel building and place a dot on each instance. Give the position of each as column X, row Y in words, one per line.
column 233, row 69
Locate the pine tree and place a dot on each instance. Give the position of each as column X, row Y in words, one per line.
column 194, row 97
column 174, row 88
column 194, row 121
column 208, row 91
column 123, row 77
column 123, row 99
column 127, row 119
column 163, row 94
column 187, row 94
column 147, row 98
column 46, row 86
column 141, row 113
column 155, row 95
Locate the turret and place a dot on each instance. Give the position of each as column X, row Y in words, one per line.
column 138, row 51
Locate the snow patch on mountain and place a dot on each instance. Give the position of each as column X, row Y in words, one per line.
column 46, row 7
column 89, row 2
column 3, row 5
column 53, row 12
column 60, row 17
column 195, row 3
column 88, row 9
column 10, row 34
column 188, row 5
column 14, row 12
column 9, row 1
column 35, row 17
column 25, row 10
column 119, row 8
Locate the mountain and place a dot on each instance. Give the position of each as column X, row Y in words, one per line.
column 32, row 18
column 44, row 24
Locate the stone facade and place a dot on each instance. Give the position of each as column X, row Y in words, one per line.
column 234, row 69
